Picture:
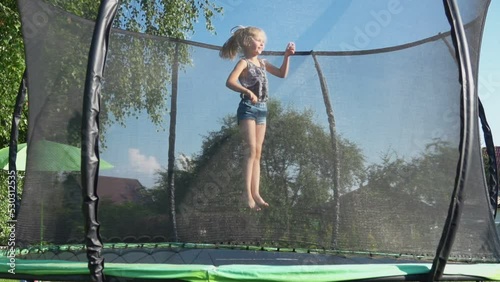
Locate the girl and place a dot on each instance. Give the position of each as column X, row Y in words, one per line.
column 249, row 79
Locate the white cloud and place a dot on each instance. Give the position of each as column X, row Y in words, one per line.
column 142, row 163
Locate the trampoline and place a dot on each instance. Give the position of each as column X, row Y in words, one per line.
column 372, row 162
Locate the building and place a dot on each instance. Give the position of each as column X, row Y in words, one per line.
column 119, row 190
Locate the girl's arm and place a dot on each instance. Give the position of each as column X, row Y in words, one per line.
column 283, row 70
column 233, row 83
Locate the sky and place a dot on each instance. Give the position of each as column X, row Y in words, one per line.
column 489, row 70
column 322, row 25
column 308, row 36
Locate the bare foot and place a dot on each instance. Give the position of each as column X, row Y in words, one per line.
column 252, row 205
column 259, row 201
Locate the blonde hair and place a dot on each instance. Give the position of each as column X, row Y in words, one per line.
column 239, row 39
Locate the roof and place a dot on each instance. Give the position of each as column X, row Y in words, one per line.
column 497, row 154
column 119, row 190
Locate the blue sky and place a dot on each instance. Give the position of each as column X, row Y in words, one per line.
column 489, row 70
column 316, row 31
column 320, row 25
column 313, row 36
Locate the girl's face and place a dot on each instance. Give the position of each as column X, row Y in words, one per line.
column 257, row 44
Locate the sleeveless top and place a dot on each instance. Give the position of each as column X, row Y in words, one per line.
column 255, row 80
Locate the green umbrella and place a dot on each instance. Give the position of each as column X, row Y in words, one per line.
column 47, row 156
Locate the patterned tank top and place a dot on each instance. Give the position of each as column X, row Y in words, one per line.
column 255, row 80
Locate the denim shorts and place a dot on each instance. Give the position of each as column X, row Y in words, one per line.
column 257, row 111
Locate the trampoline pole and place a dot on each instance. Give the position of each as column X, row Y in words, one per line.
column 335, row 147
column 90, row 135
column 468, row 106
column 492, row 180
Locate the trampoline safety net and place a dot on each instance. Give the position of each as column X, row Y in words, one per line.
column 365, row 163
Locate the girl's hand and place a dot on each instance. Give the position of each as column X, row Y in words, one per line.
column 253, row 98
column 290, row 49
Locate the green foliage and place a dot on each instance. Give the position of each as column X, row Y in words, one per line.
column 129, row 94
column 160, row 17
column 139, row 68
column 130, row 222
column 395, row 195
column 142, row 67
column 4, row 208
column 379, row 204
column 12, row 62
column 487, row 164
column 420, row 176
column 296, row 179
column 67, row 61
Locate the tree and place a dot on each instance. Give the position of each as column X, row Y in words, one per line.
column 296, row 179
column 159, row 18
column 490, row 176
column 12, row 62
column 139, row 67
column 396, row 195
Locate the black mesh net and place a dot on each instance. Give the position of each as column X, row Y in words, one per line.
column 375, row 174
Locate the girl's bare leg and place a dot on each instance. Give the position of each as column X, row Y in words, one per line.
column 248, row 132
column 260, row 132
